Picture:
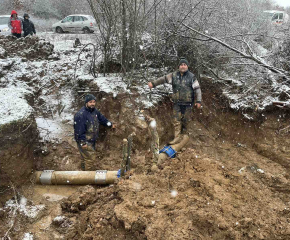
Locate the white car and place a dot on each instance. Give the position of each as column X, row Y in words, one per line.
column 76, row 23
column 4, row 29
column 277, row 17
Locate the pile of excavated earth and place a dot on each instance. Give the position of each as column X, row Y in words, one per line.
column 230, row 181
column 28, row 48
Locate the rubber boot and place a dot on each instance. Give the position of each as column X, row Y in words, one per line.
column 89, row 165
column 177, row 133
column 83, row 166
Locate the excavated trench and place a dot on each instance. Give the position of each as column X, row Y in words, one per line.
column 231, row 181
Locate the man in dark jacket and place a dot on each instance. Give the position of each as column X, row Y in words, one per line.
column 28, row 26
column 86, row 129
column 185, row 89
column 15, row 24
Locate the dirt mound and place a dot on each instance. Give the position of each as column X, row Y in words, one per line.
column 30, row 47
column 96, row 210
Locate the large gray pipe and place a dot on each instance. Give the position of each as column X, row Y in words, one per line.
column 50, row 177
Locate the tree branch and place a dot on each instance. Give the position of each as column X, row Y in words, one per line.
column 271, row 68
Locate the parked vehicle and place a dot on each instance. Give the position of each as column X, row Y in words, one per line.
column 4, row 29
column 277, row 17
column 76, row 23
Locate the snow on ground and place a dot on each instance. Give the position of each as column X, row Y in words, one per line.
column 13, row 105
column 65, row 41
column 31, row 77
column 28, row 236
column 48, row 128
column 112, row 84
column 148, row 98
column 2, row 51
column 31, row 211
column 58, row 125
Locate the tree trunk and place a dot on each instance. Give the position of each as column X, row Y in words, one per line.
column 124, row 38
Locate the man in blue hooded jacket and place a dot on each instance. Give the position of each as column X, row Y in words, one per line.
column 86, row 128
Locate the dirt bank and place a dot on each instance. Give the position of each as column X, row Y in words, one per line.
column 17, row 141
column 230, row 182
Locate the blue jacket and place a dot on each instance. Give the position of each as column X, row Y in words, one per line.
column 86, row 125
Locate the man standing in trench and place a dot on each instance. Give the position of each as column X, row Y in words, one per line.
column 185, row 89
column 86, row 128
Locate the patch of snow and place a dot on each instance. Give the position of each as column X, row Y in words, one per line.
column 260, row 170
column 268, row 101
column 59, row 219
column 30, row 211
column 13, row 105
column 153, row 124
column 247, row 116
column 2, row 51
column 262, row 51
column 112, row 85
column 241, row 170
column 173, row 193
column 28, row 236
column 64, row 42
column 145, row 103
column 49, row 128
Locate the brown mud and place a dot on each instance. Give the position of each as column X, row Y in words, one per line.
column 17, row 140
column 29, row 48
column 231, row 181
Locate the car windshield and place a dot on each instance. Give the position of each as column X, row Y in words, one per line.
column 4, row 20
column 276, row 15
column 268, row 15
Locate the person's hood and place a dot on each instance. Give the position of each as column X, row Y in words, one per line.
column 13, row 12
column 26, row 15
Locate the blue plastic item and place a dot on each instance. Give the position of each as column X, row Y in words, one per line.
column 119, row 173
column 169, row 151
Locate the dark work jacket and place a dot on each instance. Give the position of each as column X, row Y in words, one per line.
column 86, row 125
column 28, row 27
column 182, row 87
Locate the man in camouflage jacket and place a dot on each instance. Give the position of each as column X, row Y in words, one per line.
column 185, row 90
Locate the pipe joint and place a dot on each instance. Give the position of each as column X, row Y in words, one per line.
column 45, row 177
column 101, row 176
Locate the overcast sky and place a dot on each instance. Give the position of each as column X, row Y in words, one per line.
column 284, row 3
